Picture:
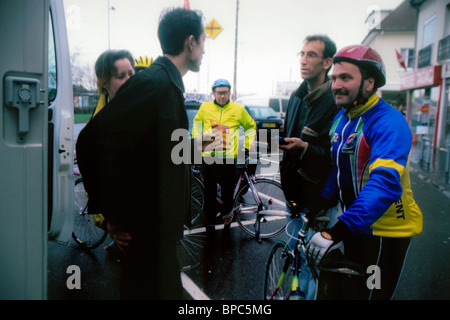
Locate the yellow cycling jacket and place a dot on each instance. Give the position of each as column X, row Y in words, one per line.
column 224, row 123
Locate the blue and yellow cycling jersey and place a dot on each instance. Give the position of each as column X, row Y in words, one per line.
column 225, row 123
column 371, row 147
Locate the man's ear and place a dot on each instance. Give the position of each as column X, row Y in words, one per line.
column 327, row 63
column 190, row 42
column 369, row 84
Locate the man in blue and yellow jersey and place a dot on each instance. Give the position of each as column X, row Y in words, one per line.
column 371, row 146
column 223, row 119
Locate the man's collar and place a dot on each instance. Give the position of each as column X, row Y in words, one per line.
column 217, row 104
column 362, row 108
column 172, row 71
column 318, row 92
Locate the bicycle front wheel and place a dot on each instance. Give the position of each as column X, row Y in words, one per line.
column 267, row 194
column 85, row 233
column 190, row 248
column 279, row 274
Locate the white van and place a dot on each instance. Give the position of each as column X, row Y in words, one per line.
column 36, row 143
column 277, row 103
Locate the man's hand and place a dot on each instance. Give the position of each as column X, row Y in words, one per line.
column 294, row 144
column 121, row 238
column 319, row 245
column 207, row 139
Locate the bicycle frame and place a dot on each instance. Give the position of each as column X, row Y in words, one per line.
column 258, row 205
column 293, row 263
column 259, row 216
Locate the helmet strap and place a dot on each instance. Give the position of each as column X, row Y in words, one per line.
column 360, row 99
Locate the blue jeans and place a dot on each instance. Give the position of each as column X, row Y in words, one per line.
column 306, row 280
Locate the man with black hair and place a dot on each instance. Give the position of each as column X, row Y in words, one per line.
column 124, row 155
column 307, row 159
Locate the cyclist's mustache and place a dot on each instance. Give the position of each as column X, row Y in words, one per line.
column 341, row 92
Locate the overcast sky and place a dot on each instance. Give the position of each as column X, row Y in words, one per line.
column 270, row 34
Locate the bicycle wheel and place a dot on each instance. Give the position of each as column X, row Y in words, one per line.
column 190, row 248
column 85, row 233
column 278, row 275
column 247, row 205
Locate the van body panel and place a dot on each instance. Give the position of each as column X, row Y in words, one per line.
column 23, row 149
column 36, row 164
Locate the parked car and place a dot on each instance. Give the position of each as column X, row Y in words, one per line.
column 266, row 119
column 277, row 103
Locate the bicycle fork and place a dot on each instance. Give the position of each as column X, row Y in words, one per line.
column 296, row 293
column 259, row 217
column 288, row 256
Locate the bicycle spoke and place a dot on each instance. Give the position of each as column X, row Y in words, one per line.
column 278, row 275
column 85, row 232
column 190, row 248
column 268, row 195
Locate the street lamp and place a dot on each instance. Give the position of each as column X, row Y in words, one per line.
column 110, row 8
column 235, row 51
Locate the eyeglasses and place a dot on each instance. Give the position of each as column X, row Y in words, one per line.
column 309, row 55
column 222, row 93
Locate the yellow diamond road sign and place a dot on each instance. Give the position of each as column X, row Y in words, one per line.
column 213, row 28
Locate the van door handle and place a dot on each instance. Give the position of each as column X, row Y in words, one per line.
column 22, row 94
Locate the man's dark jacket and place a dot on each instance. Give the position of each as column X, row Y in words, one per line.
column 124, row 155
column 309, row 117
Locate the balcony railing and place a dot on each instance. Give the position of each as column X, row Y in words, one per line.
column 444, row 49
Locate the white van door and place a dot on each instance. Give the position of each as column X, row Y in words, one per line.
column 60, row 128
column 26, row 167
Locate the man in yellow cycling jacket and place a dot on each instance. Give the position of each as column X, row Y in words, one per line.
column 223, row 119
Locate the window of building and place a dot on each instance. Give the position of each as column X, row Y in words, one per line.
column 428, row 32
column 409, row 56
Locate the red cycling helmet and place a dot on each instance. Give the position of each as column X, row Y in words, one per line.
column 366, row 59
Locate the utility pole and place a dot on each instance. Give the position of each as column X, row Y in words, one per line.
column 235, row 52
column 109, row 40
column 109, row 32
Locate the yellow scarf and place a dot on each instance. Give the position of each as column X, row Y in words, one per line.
column 101, row 103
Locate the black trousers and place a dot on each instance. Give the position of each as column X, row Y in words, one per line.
column 226, row 176
column 378, row 254
column 145, row 274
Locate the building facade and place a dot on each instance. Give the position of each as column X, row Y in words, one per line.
column 427, row 86
column 393, row 31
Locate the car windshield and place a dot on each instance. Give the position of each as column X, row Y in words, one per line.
column 262, row 112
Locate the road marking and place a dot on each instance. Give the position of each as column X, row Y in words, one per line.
column 195, row 292
column 268, row 158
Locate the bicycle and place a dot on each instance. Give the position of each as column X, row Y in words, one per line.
column 281, row 277
column 283, row 266
column 190, row 248
column 86, row 231
column 259, row 204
